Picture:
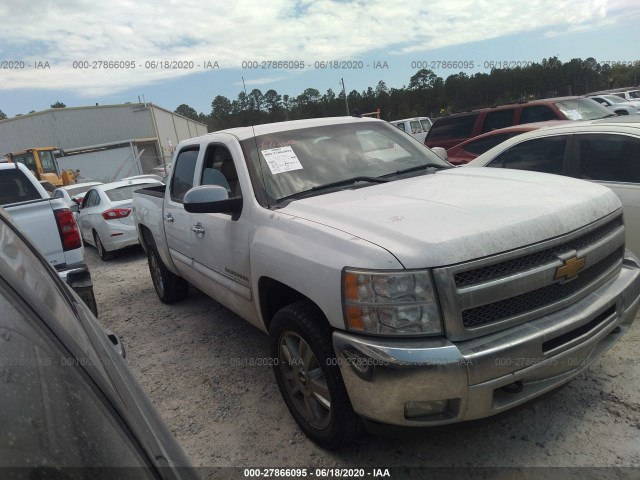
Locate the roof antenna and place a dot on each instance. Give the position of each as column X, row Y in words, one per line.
column 255, row 140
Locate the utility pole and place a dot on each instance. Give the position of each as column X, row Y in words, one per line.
column 344, row 92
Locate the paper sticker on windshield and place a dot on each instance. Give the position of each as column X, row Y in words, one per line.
column 282, row 159
column 573, row 115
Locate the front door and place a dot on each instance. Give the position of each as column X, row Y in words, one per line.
column 221, row 241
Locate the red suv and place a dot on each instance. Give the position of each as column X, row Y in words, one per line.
column 449, row 131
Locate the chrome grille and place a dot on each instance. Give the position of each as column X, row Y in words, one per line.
column 533, row 260
column 493, row 293
column 539, row 298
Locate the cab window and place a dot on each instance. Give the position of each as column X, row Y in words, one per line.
column 184, row 169
column 498, row 119
column 48, row 163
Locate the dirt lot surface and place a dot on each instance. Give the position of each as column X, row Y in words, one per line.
column 189, row 358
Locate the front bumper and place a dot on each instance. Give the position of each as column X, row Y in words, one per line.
column 421, row 382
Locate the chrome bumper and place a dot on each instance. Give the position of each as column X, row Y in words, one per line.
column 421, row 382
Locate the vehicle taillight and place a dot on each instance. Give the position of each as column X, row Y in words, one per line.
column 68, row 228
column 114, row 213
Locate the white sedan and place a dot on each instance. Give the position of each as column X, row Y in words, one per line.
column 76, row 192
column 605, row 151
column 105, row 218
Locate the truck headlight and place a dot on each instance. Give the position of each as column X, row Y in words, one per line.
column 390, row 302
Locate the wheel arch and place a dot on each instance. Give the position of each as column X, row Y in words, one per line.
column 274, row 295
column 145, row 237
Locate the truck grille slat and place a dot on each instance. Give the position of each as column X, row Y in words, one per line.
column 548, row 295
column 490, row 294
column 533, row 260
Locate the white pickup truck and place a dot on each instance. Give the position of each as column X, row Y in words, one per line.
column 394, row 287
column 50, row 225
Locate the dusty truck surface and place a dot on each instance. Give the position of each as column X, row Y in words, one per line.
column 393, row 287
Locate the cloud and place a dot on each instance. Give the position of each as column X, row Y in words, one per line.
column 232, row 32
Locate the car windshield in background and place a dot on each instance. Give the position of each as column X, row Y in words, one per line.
column 295, row 161
column 126, row 192
column 613, row 99
column 583, row 109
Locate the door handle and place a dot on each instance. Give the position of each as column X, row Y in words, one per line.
column 198, row 229
column 168, row 217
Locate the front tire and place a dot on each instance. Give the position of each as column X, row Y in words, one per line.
column 169, row 286
column 308, row 377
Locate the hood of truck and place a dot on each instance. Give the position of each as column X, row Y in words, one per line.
column 460, row 214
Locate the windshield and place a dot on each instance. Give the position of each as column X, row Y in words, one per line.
column 583, row 109
column 634, row 93
column 294, row 161
column 126, row 192
column 613, row 99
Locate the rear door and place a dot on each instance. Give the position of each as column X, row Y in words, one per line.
column 221, row 241
column 91, row 206
column 177, row 222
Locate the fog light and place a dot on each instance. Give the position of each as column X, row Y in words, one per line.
column 414, row 410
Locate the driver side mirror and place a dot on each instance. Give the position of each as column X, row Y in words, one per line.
column 211, row 199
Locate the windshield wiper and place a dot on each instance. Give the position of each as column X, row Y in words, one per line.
column 418, row 168
column 348, row 181
column 339, row 183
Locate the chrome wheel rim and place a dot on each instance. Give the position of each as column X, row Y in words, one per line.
column 305, row 381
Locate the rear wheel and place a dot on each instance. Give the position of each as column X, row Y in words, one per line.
column 104, row 254
column 308, row 377
column 169, row 286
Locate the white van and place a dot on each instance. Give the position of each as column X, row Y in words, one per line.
column 417, row 127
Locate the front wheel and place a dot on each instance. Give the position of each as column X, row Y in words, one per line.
column 308, row 377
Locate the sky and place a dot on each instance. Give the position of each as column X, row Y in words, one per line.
column 172, row 52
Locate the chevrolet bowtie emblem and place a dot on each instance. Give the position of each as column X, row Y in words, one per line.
column 570, row 268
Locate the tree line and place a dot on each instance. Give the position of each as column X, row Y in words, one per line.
column 426, row 94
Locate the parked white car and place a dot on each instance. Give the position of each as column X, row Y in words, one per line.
column 417, row 127
column 104, row 217
column 606, row 151
column 628, row 94
column 73, row 194
column 617, row 104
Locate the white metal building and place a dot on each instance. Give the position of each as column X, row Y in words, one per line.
column 104, row 142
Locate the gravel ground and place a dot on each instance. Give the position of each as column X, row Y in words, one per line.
column 228, row 415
